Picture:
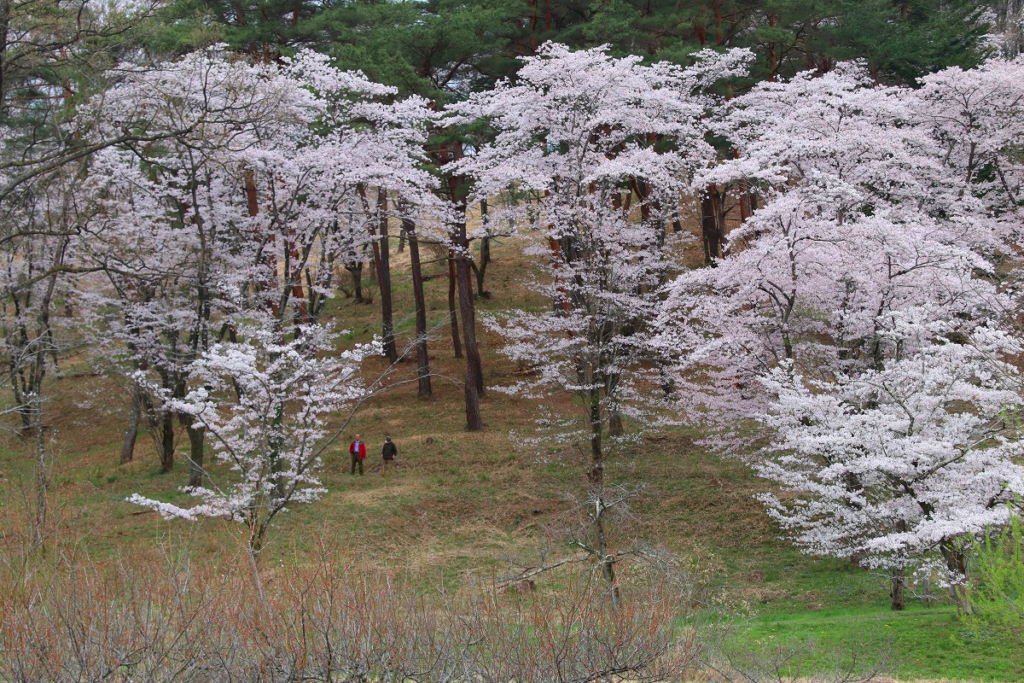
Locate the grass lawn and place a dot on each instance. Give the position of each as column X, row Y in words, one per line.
column 924, row 643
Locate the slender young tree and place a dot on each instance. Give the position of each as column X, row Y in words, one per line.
column 422, row 353
column 575, row 127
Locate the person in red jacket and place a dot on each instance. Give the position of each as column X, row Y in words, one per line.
column 358, row 452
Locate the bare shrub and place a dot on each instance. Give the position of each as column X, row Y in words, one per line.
column 157, row 620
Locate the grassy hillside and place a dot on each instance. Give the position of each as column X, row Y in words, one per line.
column 472, row 504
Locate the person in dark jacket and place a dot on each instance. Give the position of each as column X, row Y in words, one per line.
column 388, row 453
column 358, row 452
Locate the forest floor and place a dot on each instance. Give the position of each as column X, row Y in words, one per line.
column 472, row 505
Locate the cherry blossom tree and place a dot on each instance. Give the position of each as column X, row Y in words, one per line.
column 583, row 130
column 316, row 200
column 218, row 247
column 860, row 224
column 847, row 313
column 50, row 60
column 896, row 465
column 974, row 116
column 177, row 244
column 273, row 434
column 244, row 216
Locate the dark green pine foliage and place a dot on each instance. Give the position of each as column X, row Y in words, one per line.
column 445, row 48
column 898, row 40
column 901, row 41
column 266, row 29
column 435, row 48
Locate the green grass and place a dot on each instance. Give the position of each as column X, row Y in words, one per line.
column 924, row 643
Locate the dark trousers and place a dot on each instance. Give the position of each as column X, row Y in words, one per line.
column 356, row 460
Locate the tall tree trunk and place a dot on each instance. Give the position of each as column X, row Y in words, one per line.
column 422, row 357
column 381, row 259
column 712, row 224
column 452, row 313
column 197, row 444
column 474, row 384
column 356, row 268
column 166, row 441
column 897, row 592
column 131, row 434
column 44, row 346
column 956, row 563
column 480, row 269
column 42, row 472
column 267, row 259
column 595, row 478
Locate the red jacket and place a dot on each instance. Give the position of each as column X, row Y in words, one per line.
column 362, row 449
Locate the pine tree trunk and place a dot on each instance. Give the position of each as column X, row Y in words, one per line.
column 381, row 258
column 474, row 384
column 712, row 224
column 268, row 259
column 422, row 356
column 452, row 313
column 480, row 269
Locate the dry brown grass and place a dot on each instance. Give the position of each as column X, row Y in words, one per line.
column 465, row 501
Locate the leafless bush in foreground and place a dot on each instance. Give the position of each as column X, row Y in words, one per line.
column 152, row 622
